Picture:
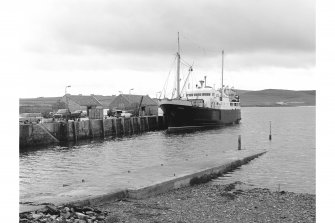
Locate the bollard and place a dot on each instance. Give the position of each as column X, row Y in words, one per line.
column 239, row 142
column 270, row 136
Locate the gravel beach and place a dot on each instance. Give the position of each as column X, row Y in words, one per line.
column 199, row 203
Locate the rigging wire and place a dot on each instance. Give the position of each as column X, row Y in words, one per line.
column 167, row 79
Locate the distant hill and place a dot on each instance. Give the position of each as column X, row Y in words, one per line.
column 277, row 97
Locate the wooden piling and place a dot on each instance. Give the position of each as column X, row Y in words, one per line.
column 90, row 128
column 74, row 132
column 157, row 122
column 140, row 123
column 115, row 126
column 132, row 124
column 123, row 129
column 239, row 142
column 102, row 128
column 147, row 120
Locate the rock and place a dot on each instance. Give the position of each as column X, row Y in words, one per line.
column 65, row 215
column 66, row 209
column 36, row 216
column 90, row 212
column 51, row 210
column 81, row 215
column 100, row 217
column 87, row 209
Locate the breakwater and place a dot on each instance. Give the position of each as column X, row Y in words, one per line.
column 56, row 132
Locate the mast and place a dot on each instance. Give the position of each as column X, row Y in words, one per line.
column 222, row 76
column 178, row 70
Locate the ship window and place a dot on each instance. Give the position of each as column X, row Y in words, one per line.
column 231, row 104
column 213, row 94
column 206, row 94
column 197, row 94
column 189, row 95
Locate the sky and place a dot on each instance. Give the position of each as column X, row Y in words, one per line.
column 111, row 46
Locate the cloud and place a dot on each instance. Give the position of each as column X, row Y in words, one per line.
column 259, row 33
column 151, row 26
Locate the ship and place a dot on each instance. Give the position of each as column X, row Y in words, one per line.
column 202, row 106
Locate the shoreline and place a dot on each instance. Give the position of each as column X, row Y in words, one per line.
column 199, row 203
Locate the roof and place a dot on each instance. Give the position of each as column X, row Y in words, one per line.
column 105, row 100
column 84, row 100
column 132, row 98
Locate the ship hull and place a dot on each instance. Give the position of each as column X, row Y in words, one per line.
column 181, row 117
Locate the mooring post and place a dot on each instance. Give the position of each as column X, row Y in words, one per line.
column 157, row 120
column 270, row 136
column 239, row 142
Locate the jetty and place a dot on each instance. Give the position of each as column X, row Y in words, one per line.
column 71, row 131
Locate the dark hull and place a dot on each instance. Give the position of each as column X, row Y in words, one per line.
column 180, row 117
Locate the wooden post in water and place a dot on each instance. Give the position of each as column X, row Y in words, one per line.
column 239, row 142
column 103, row 128
column 132, row 124
column 115, row 125
column 123, row 129
column 147, row 119
column 90, row 128
column 140, row 123
column 157, row 120
column 270, row 136
column 74, row 132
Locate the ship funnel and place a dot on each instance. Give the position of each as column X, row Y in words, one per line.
column 202, row 83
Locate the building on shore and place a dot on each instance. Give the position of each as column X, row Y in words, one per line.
column 135, row 104
column 105, row 101
column 81, row 102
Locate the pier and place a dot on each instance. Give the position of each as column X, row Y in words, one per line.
column 55, row 132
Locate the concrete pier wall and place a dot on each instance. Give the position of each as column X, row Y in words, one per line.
column 48, row 133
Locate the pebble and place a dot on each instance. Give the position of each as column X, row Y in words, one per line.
column 200, row 203
column 64, row 214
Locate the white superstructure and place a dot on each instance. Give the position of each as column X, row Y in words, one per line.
column 205, row 96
